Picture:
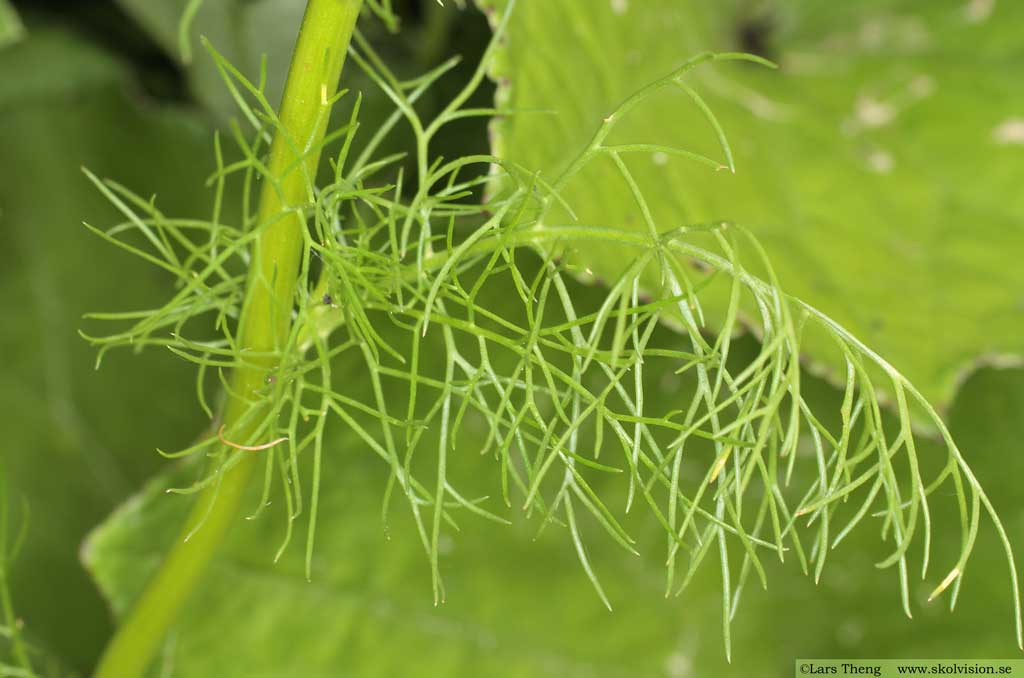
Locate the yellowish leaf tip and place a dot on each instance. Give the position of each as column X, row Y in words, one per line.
column 945, row 583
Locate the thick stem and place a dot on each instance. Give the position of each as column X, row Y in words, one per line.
column 266, row 315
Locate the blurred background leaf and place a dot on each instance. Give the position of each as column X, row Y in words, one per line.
column 11, row 28
column 78, row 441
column 249, row 33
column 879, row 166
column 241, row 30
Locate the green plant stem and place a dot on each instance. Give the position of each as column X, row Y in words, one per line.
column 264, row 326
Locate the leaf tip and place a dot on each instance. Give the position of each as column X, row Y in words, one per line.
column 950, row 578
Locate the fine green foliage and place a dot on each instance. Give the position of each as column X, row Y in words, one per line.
column 517, row 605
column 736, row 465
column 879, row 168
column 14, row 651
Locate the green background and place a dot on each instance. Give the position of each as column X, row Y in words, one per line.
column 921, row 260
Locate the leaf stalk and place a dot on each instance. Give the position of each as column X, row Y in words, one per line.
column 264, row 326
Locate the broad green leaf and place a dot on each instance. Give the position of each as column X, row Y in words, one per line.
column 879, row 165
column 520, row 606
column 78, row 441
